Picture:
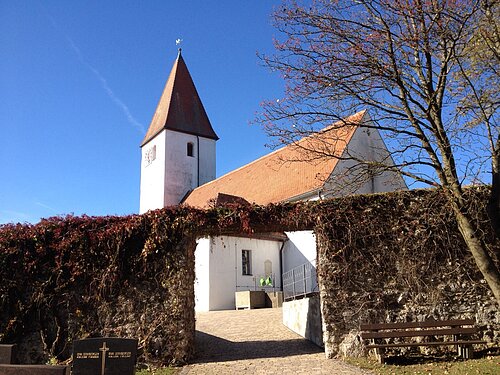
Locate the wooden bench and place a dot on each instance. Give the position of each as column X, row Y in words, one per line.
column 459, row 330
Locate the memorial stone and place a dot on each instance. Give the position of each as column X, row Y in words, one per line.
column 104, row 356
column 8, row 353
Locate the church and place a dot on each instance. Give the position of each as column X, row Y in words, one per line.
column 178, row 167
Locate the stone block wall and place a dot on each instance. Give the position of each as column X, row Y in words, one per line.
column 381, row 258
column 72, row 278
column 400, row 258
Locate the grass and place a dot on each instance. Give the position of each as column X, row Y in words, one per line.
column 159, row 371
column 487, row 364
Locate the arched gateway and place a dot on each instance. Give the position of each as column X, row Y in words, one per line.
column 178, row 167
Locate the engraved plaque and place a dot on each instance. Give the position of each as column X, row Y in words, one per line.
column 104, row 356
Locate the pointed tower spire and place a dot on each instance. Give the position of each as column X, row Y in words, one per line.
column 180, row 108
column 179, row 149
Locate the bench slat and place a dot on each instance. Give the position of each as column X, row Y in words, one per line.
column 426, row 324
column 434, row 343
column 419, row 333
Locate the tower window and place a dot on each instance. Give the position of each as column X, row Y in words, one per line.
column 190, row 149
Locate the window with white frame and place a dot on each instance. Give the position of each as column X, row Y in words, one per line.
column 246, row 262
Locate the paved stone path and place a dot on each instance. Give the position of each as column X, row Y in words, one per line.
column 256, row 342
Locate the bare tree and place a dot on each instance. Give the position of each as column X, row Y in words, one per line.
column 479, row 74
column 409, row 63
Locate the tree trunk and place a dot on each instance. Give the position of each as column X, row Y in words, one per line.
column 494, row 204
column 478, row 249
column 494, row 201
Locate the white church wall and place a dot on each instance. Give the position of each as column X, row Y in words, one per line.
column 202, row 277
column 152, row 174
column 262, row 251
column 387, row 181
column 365, row 144
column 342, row 180
column 207, row 160
column 225, row 272
column 222, row 274
column 299, row 249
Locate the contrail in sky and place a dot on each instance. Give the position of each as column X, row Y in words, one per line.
column 118, row 102
column 106, row 87
column 46, row 206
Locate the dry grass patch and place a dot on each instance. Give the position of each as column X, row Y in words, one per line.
column 488, row 363
column 158, row 371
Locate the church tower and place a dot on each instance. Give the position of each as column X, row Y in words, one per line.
column 178, row 151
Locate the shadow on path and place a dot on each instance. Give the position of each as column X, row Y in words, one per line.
column 211, row 348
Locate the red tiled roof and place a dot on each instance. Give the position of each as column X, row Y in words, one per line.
column 180, row 107
column 223, row 199
column 285, row 173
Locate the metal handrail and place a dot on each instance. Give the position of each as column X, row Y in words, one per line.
column 300, row 281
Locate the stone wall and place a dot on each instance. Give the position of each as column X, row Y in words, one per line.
column 381, row 258
column 73, row 278
column 400, row 258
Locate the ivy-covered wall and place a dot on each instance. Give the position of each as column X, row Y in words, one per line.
column 76, row 277
column 399, row 257
column 381, row 257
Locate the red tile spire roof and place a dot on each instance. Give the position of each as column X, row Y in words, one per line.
column 180, row 107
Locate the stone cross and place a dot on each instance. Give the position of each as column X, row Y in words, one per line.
column 103, row 349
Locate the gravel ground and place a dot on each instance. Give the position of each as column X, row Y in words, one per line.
column 256, row 342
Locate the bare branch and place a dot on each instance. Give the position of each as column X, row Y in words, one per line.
column 402, row 61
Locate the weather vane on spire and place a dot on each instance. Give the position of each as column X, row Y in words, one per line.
column 178, row 42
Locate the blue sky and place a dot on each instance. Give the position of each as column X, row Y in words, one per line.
column 80, row 80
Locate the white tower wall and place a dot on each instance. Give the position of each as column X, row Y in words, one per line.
column 207, row 160
column 172, row 173
column 153, row 173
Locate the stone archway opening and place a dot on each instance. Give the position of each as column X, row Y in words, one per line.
column 229, row 333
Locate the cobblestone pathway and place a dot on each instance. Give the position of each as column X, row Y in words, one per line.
column 256, row 342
